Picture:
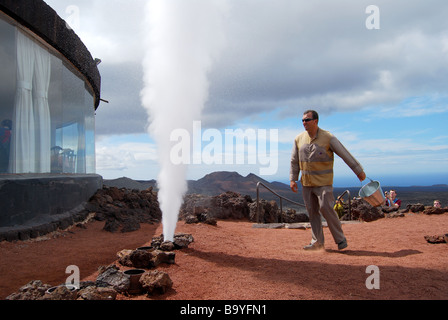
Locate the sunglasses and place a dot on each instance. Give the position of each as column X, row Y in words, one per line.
column 307, row 120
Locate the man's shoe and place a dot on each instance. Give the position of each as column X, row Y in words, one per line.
column 314, row 246
column 342, row 245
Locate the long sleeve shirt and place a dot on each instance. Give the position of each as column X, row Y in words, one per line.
column 314, row 158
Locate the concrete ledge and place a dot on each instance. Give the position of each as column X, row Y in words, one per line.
column 44, row 225
column 299, row 225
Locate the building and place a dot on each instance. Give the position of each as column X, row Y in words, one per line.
column 49, row 91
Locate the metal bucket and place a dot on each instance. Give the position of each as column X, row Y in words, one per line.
column 146, row 248
column 70, row 287
column 372, row 193
column 134, row 276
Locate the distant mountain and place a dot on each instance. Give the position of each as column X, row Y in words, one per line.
column 130, row 184
column 222, row 181
column 219, row 182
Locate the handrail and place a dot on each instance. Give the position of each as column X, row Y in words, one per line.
column 275, row 193
column 296, row 203
column 349, row 202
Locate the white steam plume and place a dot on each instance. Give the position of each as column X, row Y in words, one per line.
column 183, row 37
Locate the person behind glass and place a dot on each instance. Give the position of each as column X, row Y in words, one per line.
column 392, row 200
column 5, row 141
column 313, row 157
column 437, row 204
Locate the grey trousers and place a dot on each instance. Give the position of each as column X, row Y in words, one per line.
column 321, row 200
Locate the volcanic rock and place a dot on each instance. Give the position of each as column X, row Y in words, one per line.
column 433, row 210
column 395, row 214
column 200, row 215
column 268, row 212
column 418, row 207
column 33, row 290
column 291, row 216
column 207, row 209
column 124, row 209
column 160, row 256
column 437, row 238
column 145, row 259
column 124, row 257
column 231, row 205
column 156, row 282
column 362, row 210
column 97, row 293
column 142, row 259
column 181, row 241
column 61, row 292
column 112, row 276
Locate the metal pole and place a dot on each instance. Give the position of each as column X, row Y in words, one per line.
column 258, row 200
column 281, row 211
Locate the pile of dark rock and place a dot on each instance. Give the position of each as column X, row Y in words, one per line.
column 269, row 212
column 111, row 280
column 429, row 210
column 124, row 209
column 36, row 290
column 363, row 211
column 159, row 252
column 109, row 283
column 198, row 208
column 207, row 209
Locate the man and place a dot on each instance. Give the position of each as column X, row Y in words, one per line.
column 392, row 200
column 312, row 155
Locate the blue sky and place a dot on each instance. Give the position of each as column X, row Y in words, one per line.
column 382, row 92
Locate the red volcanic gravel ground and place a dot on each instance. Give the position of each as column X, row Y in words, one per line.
column 234, row 261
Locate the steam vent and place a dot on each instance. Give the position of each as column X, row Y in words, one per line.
column 49, row 91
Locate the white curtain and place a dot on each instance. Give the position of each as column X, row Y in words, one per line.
column 42, row 121
column 31, row 128
column 23, row 147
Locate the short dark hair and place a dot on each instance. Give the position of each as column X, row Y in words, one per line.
column 314, row 113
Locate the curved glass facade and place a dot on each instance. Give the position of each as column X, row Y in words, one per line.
column 46, row 108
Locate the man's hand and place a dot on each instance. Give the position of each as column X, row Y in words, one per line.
column 294, row 186
column 362, row 176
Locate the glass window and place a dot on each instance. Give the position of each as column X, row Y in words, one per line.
column 49, row 105
column 90, row 164
column 7, row 90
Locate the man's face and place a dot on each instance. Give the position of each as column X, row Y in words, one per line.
column 393, row 194
column 307, row 123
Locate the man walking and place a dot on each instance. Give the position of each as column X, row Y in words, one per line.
column 313, row 156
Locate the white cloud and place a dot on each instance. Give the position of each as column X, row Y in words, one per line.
column 288, row 55
column 124, row 155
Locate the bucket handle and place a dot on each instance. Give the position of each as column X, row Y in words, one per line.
column 365, row 180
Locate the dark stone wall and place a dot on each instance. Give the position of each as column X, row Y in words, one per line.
column 32, row 200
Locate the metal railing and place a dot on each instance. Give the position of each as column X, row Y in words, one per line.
column 349, row 202
column 293, row 202
column 281, row 203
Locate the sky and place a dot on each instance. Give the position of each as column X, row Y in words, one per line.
column 377, row 76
